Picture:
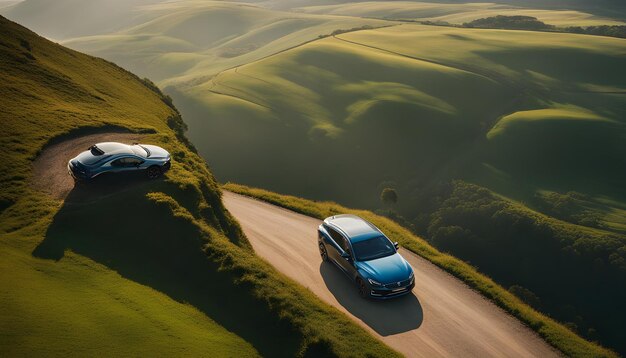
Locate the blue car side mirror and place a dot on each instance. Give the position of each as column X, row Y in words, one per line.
column 345, row 255
column 396, row 245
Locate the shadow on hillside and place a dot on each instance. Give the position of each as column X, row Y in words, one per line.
column 107, row 185
column 388, row 317
column 144, row 243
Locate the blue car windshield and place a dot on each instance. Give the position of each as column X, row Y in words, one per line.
column 373, row 248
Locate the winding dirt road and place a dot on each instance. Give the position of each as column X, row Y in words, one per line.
column 443, row 317
column 50, row 168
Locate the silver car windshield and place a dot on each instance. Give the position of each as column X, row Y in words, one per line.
column 141, row 150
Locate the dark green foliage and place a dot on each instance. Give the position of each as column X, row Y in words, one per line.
column 526, row 295
column 571, row 206
column 389, row 196
column 533, row 24
column 517, row 22
column 603, row 30
column 567, row 267
column 179, row 127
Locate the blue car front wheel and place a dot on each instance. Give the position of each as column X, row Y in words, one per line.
column 154, row 172
column 363, row 292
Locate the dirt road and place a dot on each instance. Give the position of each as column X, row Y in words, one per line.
column 50, row 168
column 443, row 316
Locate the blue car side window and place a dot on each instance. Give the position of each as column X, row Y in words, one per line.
column 126, row 162
column 339, row 239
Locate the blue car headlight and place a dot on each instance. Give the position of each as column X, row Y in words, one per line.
column 411, row 276
column 374, row 283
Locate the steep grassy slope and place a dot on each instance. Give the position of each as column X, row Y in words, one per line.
column 414, row 107
column 127, row 266
column 456, row 13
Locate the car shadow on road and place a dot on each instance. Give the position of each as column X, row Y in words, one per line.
column 387, row 317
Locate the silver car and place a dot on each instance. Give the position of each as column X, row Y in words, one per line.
column 118, row 157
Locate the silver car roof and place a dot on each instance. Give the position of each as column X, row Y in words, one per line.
column 115, row 148
column 353, row 226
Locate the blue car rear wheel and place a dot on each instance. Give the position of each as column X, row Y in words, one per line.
column 323, row 252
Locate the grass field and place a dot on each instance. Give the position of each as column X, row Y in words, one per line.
column 125, row 266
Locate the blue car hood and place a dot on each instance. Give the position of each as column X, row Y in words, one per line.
column 388, row 269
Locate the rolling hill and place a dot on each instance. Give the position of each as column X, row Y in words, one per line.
column 417, row 108
column 127, row 266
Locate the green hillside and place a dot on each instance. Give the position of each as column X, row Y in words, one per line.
column 416, row 108
column 125, row 266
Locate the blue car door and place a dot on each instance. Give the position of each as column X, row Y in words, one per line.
column 347, row 263
column 126, row 164
column 334, row 251
column 341, row 247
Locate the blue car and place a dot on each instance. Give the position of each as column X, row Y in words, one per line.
column 366, row 255
column 112, row 157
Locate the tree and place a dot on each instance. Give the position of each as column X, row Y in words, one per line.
column 389, row 196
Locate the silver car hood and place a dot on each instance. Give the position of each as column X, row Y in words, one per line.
column 156, row 152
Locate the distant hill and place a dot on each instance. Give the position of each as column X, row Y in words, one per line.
column 61, row 19
column 610, row 8
column 460, row 12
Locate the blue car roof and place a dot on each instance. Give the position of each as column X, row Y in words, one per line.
column 355, row 227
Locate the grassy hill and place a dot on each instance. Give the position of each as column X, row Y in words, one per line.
column 123, row 266
column 418, row 107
